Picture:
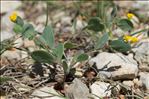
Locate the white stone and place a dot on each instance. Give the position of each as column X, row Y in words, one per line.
column 39, row 28
column 128, row 83
column 45, row 92
column 7, row 6
column 142, row 53
column 137, row 82
column 58, row 16
column 23, row 54
column 80, row 24
column 11, row 55
column 66, row 20
column 100, row 89
column 42, row 19
column 77, row 90
column 6, row 35
column 144, row 77
column 18, row 43
column 119, row 66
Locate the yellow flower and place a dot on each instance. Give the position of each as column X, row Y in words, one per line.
column 130, row 15
column 130, row 39
column 13, row 17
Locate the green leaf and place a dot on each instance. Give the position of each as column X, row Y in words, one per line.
column 95, row 25
column 120, row 45
column 30, row 34
column 48, row 36
column 69, row 45
column 125, row 24
column 28, row 31
column 66, row 67
column 42, row 56
column 102, row 41
column 17, row 29
column 82, row 57
column 59, row 51
column 4, row 79
column 19, row 21
column 114, row 11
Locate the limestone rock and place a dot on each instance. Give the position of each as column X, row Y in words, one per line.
column 128, row 83
column 77, row 90
column 144, row 77
column 7, row 6
column 142, row 54
column 100, row 89
column 47, row 92
column 66, row 20
column 12, row 55
column 115, row 65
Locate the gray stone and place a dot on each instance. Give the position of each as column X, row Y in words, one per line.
column 142, row 54
column 47, row 92
column 80, row 25
column 100, row 89
column 77, row 90
column 7, row 6
column 129, row 83
column 66, row 20
column 12, row 55
column 144, row 77
column 18, row 43
column 115, row 65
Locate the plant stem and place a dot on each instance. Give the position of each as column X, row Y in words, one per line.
column 47, row 14
column 139, row 32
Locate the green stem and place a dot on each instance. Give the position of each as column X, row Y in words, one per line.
column 139, row 32
column 47, row 15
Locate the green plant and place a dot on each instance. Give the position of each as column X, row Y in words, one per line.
column 104, row 23
column 49, row 51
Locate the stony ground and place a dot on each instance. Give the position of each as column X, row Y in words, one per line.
column 115, row 75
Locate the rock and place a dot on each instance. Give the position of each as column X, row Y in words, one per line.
column 28, row 43
column 7, row 6
column 47, row 92
column 118, row 32
column 137, row 82
column 18, row 43
column 66, row 20
column 142, row 8
column 144, row 77
column 100, row 89
column 80, row 24
column 23, row 54
column 128, row 83
column 142, row 54
column 42, row 19
column 77, row 90
column 12, row 55
column 124, row 4
column 58, row 15
column 115, row 65
column 141, row 5
column 39, row 27
column 6, row 35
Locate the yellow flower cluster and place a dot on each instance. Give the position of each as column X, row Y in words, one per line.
column 13, row 17
column 130, row 15
column 130, row 39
